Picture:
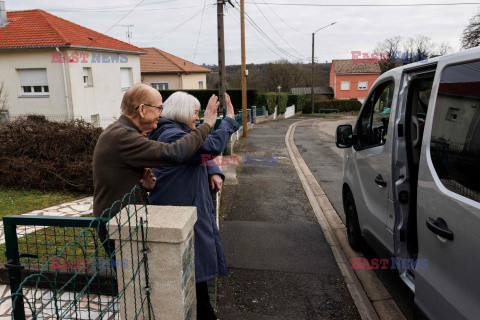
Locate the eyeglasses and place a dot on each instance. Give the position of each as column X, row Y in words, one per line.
column 160, row 108
column 196, row 112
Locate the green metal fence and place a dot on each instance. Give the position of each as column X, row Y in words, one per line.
column 67, row 267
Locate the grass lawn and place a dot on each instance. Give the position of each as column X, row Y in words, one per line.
column 16, row 201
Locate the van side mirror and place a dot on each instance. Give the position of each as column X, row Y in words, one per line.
column 344, row 136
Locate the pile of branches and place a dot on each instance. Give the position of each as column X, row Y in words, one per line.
column 45, row 155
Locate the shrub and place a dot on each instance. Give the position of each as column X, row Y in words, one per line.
column 282, row 103
column 271, row 102
column 340, row 105
column 298, row 100
column 204, row 95
column 261, row 100
column 46, row 155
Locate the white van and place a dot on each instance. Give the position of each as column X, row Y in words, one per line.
column 411, row 186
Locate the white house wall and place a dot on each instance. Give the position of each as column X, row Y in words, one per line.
column 172, row 79
column 54, row 104
column 176, row 81
column 105, row 96
column 190, row 81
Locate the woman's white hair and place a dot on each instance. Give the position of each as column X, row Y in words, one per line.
column 180, row 107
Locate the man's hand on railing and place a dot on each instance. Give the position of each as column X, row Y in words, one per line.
column 230, row 110
column 210, row 115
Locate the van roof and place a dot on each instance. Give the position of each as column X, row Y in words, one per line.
column 429, row 61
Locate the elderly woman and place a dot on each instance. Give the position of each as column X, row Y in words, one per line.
column 189, row 184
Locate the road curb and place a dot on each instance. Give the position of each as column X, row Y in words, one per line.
column 370, row 296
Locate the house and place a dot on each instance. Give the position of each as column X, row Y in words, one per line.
column 164, row 71
column 351, row 79
column 320, row 93
column 53, row 67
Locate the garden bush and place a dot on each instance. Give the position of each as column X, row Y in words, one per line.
column 261, row 100
column 340, row 105
column 298, row 100
column 45, row 155
column 204, row 95
column 271, row 102
column 282, row 100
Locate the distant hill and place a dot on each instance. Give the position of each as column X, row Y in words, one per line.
column 268, row 76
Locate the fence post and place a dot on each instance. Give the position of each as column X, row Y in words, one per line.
column 14, row 268
column 254, row 114
column 170, row 259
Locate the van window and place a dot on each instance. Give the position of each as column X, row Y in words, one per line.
column 372, row 124
column 455, row 143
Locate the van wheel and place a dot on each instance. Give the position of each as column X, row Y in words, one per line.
column 355, row 238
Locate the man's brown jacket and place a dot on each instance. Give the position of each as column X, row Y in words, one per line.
column 121, row 154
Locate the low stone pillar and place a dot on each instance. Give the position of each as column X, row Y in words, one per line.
column 254, row 114
column 170, row 260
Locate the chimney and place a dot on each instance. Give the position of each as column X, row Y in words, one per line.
column 3, row 14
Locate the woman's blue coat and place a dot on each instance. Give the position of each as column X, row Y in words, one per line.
column 188, row 184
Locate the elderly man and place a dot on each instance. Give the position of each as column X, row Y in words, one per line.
column 123, row 152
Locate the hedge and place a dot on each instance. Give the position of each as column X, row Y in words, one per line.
column 340, row 105
column 271, row 102
column 204, row 95
column 298, row 100
column 46, row 155
column 261, row 100
column 282, row 100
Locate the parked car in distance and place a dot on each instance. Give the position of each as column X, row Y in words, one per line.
column 411, row 182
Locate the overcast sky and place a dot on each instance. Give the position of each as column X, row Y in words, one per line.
column 160, row 23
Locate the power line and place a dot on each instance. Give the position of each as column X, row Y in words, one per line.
column 110, row 11
column 276, row 29
column 260, row 41
column 370, row 5
column 283, row 19
column 124, row 16
column 105, row 7
column 199, row 30
column 253, row 23
column 163, row 35
column 103, row 34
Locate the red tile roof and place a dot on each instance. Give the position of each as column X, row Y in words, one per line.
column 355, row 66
column 40, row 29
column 158, row 61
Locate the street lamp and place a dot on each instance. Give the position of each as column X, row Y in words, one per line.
column 313, row 61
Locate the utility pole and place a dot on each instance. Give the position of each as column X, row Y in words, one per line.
column 244, row 68
column 313, row 68
column 221, row 54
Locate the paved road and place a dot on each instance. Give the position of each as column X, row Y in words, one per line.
column 281, row 266
column 315, row 141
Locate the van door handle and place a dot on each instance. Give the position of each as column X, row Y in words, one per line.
column 440, row 228
column 379, row 180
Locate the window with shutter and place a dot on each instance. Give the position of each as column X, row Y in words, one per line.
column 126, row 78
column 33, row 82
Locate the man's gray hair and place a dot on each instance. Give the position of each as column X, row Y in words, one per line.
column 180, row 107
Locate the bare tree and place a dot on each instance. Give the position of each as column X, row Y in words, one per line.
column 389, row 49
column 443, row 48
column 471, row 34
column 414, row 49
column 3, row 96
